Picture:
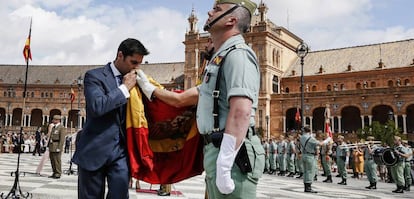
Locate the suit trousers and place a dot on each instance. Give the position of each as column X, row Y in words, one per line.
column 91, row 184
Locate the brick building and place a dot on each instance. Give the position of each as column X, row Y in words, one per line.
column 362, row 84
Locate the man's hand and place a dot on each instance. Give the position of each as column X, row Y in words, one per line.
column 143, row 82
column 57, row 150
column 129, row 80
column 225, row 161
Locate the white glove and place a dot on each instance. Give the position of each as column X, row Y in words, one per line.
column 143, row 82
column 327, row 140
column 346, row 160
column 57, row 150
column 225, row 161
column 292, row 157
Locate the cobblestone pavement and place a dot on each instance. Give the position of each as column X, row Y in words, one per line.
column 270, row 186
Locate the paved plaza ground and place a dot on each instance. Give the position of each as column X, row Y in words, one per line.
column 270, row 186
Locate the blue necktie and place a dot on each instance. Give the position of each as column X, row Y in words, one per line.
column 119, row 79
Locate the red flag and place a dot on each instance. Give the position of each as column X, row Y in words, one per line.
column 72, row 95
column 297, row 116
column 26, row 50
column 163, row 142
column 328, row 129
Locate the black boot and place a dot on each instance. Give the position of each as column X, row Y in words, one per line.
column 291, row 174
column 315, row 178
column 328, row 179
column 308, row 188
column 343, row 182
column 407, row 188
column 399, row 189
column 372, row 185
column 300, row 175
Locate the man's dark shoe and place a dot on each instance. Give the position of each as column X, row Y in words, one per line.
column 162, row 193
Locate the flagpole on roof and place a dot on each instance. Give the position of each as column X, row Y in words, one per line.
column 16, row 191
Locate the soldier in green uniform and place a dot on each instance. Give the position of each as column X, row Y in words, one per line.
column 309, row 146
column 370, row 166
column 407, row 165
column 342, row 159
column 281, row 155
column 326, row 161
column 272, row 155
column 235, row 69
column 397, row 171
column 298, row 160
column 56, row 142
column 266, row 149
column 290, row 156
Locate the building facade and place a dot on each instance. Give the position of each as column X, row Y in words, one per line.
column 362, row 84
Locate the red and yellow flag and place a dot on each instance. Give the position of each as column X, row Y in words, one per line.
column 163, row 142
column 26, row 50
column 297, row 116
column 72, row 95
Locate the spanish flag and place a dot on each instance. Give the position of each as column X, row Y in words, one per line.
column 163, row 142
column 26, row 50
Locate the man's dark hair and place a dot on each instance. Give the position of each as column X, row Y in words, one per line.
column 130, row 46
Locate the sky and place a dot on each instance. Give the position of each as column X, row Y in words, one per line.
column 84, row 32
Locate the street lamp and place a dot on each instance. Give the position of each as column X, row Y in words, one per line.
column 79, row 82
column 267, row 128
column 302, row 51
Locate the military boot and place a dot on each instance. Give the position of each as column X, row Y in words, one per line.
column 372, row 185
column 399, row 189
column 308, row 188
column 343, row 182
column 300, row 175
column 328, row 179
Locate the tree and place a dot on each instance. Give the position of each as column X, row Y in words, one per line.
column 382, row 132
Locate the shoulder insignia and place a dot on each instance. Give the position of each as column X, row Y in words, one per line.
column 217, row 60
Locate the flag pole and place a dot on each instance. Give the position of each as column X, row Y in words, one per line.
column 16, row 191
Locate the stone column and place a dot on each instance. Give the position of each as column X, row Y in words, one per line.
column 404, row 116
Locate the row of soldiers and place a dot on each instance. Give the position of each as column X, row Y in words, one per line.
column 301, row 155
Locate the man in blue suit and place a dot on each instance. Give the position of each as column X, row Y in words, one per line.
column 101, row 152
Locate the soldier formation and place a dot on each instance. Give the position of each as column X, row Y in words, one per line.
column 303, row 155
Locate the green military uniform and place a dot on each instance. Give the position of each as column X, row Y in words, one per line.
column 407, row 168
column 56, row 142
column 342, row 158
column 266, row 149
column 326, row 161
column 309, row 145
column 272, row 156
column 290, row 158
column 281, row 156
column 240, row 77
column 397, row 171
column 298, row 159
column 370, row 166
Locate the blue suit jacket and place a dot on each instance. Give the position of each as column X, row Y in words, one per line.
column 103, row 131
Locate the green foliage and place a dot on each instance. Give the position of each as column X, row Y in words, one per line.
column 381, row 132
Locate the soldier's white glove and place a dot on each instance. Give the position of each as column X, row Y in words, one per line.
column 143, row 82
column 346, row 161
column 327, row 140
column 292, row 157
column 57, row 150
column 225, row 161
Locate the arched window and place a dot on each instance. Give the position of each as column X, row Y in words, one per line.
column 406, row 82
column 329, row 87
column 358, row 86
column 390, row 83
column 275, row 84
column 314, row 88
column 287, row 90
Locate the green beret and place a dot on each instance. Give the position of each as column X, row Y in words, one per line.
column 248, row 4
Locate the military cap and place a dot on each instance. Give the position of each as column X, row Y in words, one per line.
column 248, row 4
column 370, row 138
column 57, row 117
